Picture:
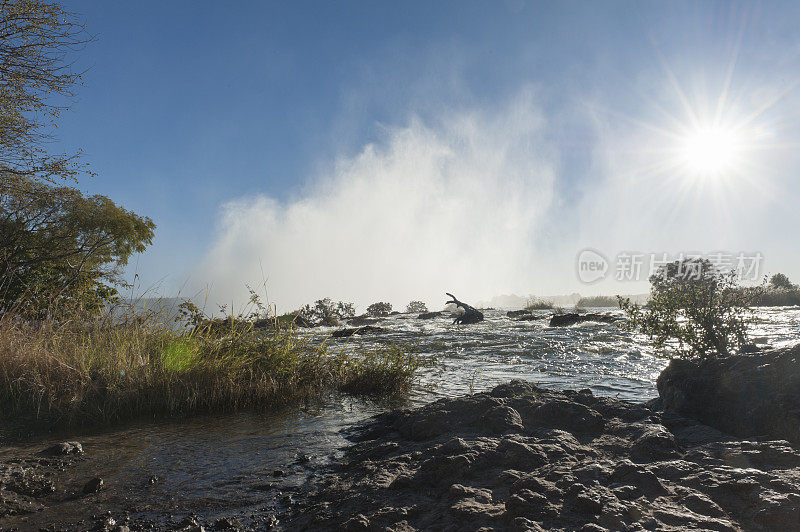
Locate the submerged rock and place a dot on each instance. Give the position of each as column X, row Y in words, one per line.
column 93, row 485
column 429, row 315
column 522, row 457
column 64, row 448
column 530, row 317
column 518, row 313
column 565, row 320
column 367, row 329
column 753, row 395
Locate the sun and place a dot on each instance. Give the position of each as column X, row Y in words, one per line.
column 711, row 151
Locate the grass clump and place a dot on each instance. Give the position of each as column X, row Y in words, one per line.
column 535, row 303
column 98, row 372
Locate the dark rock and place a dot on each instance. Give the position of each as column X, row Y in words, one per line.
column 64, row 448
column 567, row 415
column 363, row 320
column 522, row 457
column 530, row 317
column 93, row 486
column 429, row 315
column 565, row 320
column 367, row 329
column 227, row 523
column 518, row 313
column 755, row 395
column 300, row 321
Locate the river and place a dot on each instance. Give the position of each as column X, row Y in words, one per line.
column 250, row 464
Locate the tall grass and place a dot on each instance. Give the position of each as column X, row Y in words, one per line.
column 535, row 303
column 100, row 372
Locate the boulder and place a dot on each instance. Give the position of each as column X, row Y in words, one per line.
column 752, row 395
column 527, row 458
column 64, row 448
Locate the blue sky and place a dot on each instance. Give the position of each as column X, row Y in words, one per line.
column 216, row 118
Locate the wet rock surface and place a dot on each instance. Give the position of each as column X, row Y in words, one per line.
column 24, row 482
column 347, row 332
column 572, row 318
column 525, row 458
column 754, row 395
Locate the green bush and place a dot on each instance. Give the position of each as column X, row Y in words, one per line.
column 694, row 308
column 326, row 312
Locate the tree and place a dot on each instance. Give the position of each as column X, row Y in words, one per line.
column 36, row 84
column 417, row 307
column 694, row 306
column 780, row 281
column 58, row 247
column 379, row 309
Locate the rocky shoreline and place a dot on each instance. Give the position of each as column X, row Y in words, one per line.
column 525, row 458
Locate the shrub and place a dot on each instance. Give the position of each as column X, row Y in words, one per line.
column 325, row 312
column 780, row 281
column 697, row 308
column 597, row 301
column 416, row 307
column 379, row 309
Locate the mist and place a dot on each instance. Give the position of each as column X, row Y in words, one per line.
column 452, row 204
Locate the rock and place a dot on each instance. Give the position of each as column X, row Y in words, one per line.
column 429, row 315
column 227, row 523
column 300, row 321
column 367, row 329
column 524, row 457
column 755, row 395
column 518, row 313
column 530, row 317
column 93, row 486
column 565, row 320
column 364, row 319
column 64, row 448
column 12, row 503
column 567, row 415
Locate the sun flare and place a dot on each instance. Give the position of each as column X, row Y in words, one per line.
column 711, row 151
